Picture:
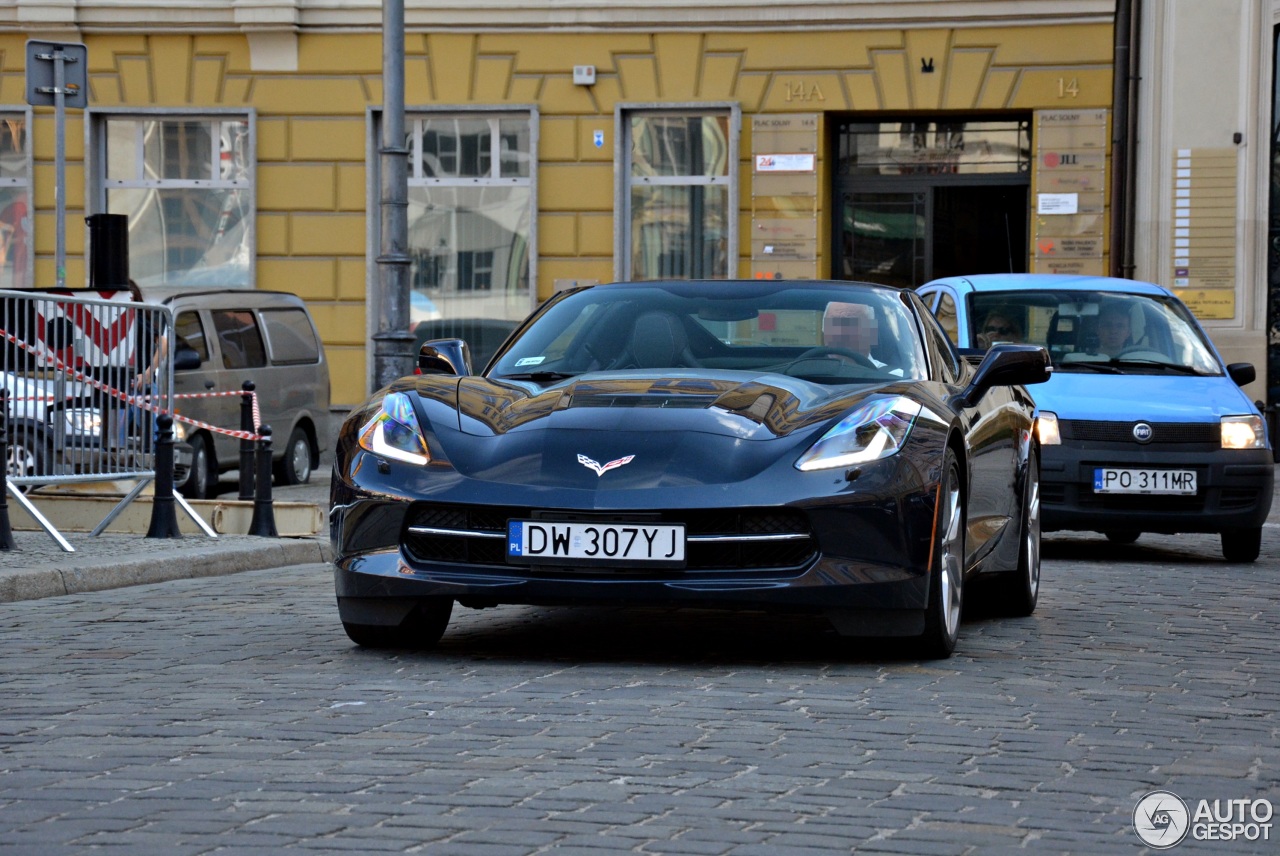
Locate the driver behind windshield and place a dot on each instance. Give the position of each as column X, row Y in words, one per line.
column 851, row 327
column 1113, row 329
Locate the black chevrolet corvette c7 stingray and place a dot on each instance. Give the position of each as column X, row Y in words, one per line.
column 812, row 447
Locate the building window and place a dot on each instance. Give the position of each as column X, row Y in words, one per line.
column 15, row 201
column 186, row 185
column 680, row 170
column 930, row 147
column 470, row 218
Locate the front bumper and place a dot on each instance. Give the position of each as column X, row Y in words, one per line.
column 866, row 565
column 1233, row 489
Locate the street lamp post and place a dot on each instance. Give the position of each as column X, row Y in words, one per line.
column 392, row 340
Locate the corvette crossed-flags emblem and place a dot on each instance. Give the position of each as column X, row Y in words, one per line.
column 601, row 469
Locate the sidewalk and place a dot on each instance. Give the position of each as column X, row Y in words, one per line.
column 40, row 568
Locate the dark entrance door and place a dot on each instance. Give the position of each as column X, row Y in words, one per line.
column 917, row 200
column 980, row 229
column 907, row 237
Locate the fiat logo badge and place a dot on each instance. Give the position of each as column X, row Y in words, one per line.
column 1142, row 432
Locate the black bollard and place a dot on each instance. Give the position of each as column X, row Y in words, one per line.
column 6, row 533
column 264, row 516
column 246, row 445
column 164, row 517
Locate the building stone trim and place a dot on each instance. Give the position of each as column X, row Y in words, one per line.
column 92, row 16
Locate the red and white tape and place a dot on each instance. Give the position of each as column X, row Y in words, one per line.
column 143, row 401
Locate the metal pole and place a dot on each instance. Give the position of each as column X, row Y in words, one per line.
column 392, row 339
column 164, row 517
column 6, row 531
column 60, row 165
column 246, row 446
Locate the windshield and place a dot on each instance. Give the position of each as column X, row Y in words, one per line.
column 1096, row 331
column 825, row 333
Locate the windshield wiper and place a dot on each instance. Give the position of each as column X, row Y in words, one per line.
column 1113, row 365
column 1143, row 361
column 1091, row 365
column 538, row 377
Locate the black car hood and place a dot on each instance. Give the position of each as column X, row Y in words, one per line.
column 739, row 405
column 643, row 430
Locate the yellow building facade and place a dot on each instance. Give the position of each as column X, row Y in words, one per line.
column 789, row 109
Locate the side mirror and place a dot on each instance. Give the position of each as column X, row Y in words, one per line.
column 1007, row 365
column 1242, row 373
column 185, row 358
column 444, row 356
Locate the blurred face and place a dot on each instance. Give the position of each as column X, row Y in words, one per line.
column 851, row 326
column 999, row 328
column 1113, row 331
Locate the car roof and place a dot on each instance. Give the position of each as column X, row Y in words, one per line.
column 1050, row 281
column 220, row 296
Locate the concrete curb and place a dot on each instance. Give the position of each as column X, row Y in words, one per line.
column 75, row 574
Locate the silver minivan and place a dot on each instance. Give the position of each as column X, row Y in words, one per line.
column 241, row 334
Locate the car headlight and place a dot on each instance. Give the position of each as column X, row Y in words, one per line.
column 873, row 431
column 394, row 432
column 179, row 431
column 84, row 422
column 1047, row 429
column 1243, row 432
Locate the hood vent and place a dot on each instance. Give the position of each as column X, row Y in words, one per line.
column 642, row 399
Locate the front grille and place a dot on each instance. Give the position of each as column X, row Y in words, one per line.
column 1096, row 431
column 476, row 535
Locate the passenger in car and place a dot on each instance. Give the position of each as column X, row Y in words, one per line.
column 999, row 326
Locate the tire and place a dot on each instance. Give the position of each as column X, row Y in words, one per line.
column 295, row 466
column 200, row 481
column 420, row 630
column 1017, row 593
column 946, row 578
column 1242, row 545
column 1122, row 536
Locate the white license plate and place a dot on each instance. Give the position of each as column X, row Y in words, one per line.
column 583, row 543
column 1124, row 480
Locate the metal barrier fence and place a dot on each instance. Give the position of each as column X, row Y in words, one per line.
column 86, row 378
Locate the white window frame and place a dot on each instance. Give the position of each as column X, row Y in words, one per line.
column 97, row 183
column 413, row 128
column 623, row 179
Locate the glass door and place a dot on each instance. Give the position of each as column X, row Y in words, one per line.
column 883, row 237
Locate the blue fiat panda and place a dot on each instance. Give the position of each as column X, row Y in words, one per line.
column 1141, row 426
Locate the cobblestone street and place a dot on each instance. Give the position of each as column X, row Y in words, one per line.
column 231, row 714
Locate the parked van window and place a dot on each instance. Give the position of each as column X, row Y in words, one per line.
column 240, row 339
column 191, row 331
column 290, row 336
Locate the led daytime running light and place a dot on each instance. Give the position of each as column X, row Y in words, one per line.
column 874, row 431
column 394, row 432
